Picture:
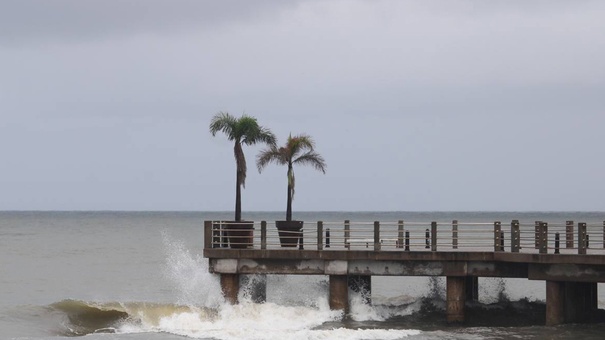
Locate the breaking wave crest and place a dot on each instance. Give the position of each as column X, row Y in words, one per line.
column 246, row 320
column 81, row 317
column 392, row 318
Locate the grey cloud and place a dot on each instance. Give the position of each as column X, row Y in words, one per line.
column 23, row 21
column 415, row 105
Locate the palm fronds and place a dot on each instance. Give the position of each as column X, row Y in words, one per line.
column 298, row 150
column 242, row 130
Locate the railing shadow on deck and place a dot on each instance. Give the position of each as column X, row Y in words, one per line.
column 536, row 237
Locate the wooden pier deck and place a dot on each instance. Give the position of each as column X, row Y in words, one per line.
column 568, row 256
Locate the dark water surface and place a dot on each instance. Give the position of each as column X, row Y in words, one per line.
column 140, row 275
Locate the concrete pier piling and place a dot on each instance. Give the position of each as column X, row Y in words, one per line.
column 230, row 287
column 555, row 303
column 581, row 302
column 456, row 298
column 570, row 302
column 339, row 293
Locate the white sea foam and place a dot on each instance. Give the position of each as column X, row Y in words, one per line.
column 264, row 321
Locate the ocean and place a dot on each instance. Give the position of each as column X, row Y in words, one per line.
column 141, row 275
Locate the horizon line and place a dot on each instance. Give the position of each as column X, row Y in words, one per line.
column 312, row 211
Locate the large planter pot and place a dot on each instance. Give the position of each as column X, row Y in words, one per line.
column 290, row 233
column 240, row 233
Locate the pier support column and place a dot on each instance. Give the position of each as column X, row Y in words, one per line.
column 472, row 288
column 361, row 284
column 230, row 287
column 570, row 302
column 339, row 293
column 456, row 297
column 555, row 303
column 581, row 302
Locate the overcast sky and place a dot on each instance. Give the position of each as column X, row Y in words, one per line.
column 415, row 105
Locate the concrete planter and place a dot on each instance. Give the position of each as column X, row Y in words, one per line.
column 290, row 233
column 240, row 234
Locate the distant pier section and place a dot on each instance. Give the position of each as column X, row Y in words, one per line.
column 568, row 256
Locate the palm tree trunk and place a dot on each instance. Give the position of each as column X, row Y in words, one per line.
column 289, row 207
column 238, row 197
column 239, row 177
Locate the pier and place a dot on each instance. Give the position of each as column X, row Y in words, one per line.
column 569, row 257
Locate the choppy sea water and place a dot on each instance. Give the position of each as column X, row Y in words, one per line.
column 141, row 275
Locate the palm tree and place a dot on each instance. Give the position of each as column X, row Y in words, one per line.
column 243, row 130
column 298, row 150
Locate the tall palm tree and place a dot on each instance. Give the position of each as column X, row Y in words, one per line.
column 243, row 130
column 298, row 150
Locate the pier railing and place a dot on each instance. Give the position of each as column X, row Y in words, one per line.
column 515, row 236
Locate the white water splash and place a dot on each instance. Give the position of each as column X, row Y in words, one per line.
column 189, row 275
column 297, row 307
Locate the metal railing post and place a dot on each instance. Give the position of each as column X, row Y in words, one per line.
column 407, row 240
column 376, row 236
column 427, row 241
column 537, row 234
column 455, row 234
column 223, row 234
column 543, row 240
column 301, row 244
column 347, row 234
column 400, row 234
column 569, row 234
column 433, row 236
column 320, row 235
column 582, row 238
column 515, row 240
column 219, row 235
column 497, row 236
column 263, row 234
column 556, row 243
column 208, row 234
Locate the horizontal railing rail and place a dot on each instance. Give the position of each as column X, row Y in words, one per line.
column 536, row 237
